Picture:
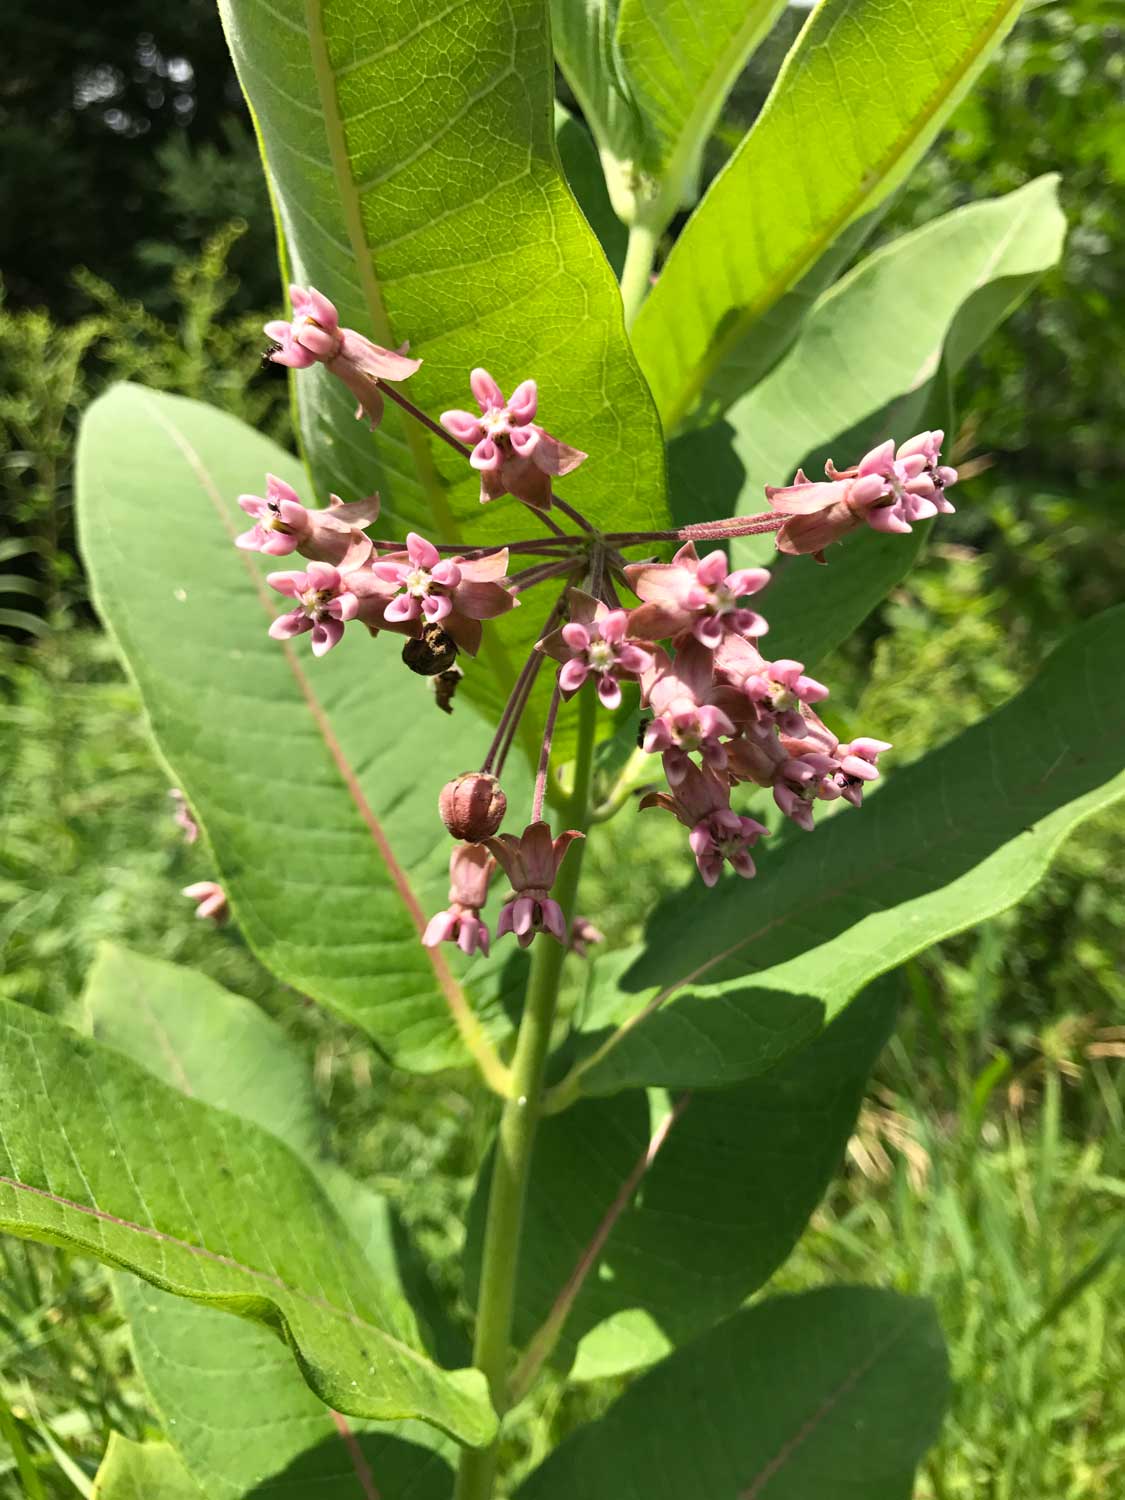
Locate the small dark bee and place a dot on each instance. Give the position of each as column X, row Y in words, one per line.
column 267, row 363
column 445, row 686
column 642, row 726
column 431, row 652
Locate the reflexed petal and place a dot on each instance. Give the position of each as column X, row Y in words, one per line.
column 486, row 456
column 285, row 627
column 525, row 399
column 576, row 636
column 402, row 607
column 573, row 674
column 322, row 576
column 609, row 691
column 463, row 425
column 439, row 929
column 325, row 635
column 290, row 584
column 422, row 554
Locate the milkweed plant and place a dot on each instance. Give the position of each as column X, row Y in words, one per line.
column 606, row 443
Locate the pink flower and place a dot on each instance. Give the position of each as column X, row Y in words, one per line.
column 856, row 766
column 182, row 816
column 470, row 868
column 887, row 490
column 696, row 595
column 531, row 862
column 513, row 455
column 583, row 934
column 687, row 715
column 701, row 802
column 325, row 603
column 593, row 644
column 211, row 899
column 457, row 594
column 314, row 336
column 283, row 525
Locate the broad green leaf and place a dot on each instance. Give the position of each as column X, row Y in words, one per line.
column 835, row 1394
column 860, row 97
column 940, row 291
column 651, row 76
column 98, row 1155
column 952, row 839
column 414, row 170
column 304, row 774
column 203, row 1040
column 584, row 174
column 143, row 1471
column 750, row 1163
column 253, row 1416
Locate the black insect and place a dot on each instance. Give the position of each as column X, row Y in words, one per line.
column 431, row 652
column 268, row 364
column 642, row 728
column 445, row 686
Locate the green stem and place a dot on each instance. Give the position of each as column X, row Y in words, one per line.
column 637, row 271
column 515, row 1139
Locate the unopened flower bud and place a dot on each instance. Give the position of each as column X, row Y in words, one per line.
column 473, row 806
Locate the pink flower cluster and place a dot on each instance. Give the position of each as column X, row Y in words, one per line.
column 718, row 712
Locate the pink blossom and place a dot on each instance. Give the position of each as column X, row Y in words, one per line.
column 182, row 815
column 583, row 935
column 701, row 802
column 283, row 525
column 419, row 587
column 513, row 455
column 325, row 603
column 887, row 490
column 687, row 713
column 211, row 900
column 314, row 336
column 593, row 643
column 531, row 862
column 857, row 766
column 470, row 868
column 695, row 594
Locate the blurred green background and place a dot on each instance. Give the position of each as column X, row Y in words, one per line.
column 988, row 1169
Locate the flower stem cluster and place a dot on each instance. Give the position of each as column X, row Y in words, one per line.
column 718, row 712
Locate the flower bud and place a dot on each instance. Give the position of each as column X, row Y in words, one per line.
column 473, row 806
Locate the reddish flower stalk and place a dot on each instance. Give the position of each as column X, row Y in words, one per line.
column 545, row 755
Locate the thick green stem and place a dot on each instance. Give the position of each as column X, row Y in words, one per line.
column 516, row 1136
column 636, row 273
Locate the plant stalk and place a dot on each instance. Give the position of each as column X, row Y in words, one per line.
column 515, row 1139
column 637, row 271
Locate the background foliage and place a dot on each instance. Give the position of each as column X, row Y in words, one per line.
column 989, row 1167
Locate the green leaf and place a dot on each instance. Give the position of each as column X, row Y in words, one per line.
column 836, row 1394
column 417, row 183
column 860, row 97
column 651, row 76
column 583, row 170
column 952, row 839
column 253, row 1416
column 99, row 1156
column 749, row 1162
column 143, row 1471
column 303, row 773
column 940, row 291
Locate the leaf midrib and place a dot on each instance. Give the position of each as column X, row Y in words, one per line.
column 815, row 247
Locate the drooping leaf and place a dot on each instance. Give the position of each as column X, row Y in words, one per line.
column 417, row 184
column 304, row 774
column 98, row 1155
column 651, row 76
column 750, row 1163
column 239, row 1430
column 143, row 1471
column 954, row 838
column 860, row 97
column 836, row 1393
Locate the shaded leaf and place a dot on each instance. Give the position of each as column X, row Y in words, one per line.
column 587, row 183
column 950, row 840
column 837, row 1394
column 724, row 1201
column 861, row 95
column 303, row 773
column 96, row 1154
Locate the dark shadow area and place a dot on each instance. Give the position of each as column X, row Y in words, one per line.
column 345, row 1468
